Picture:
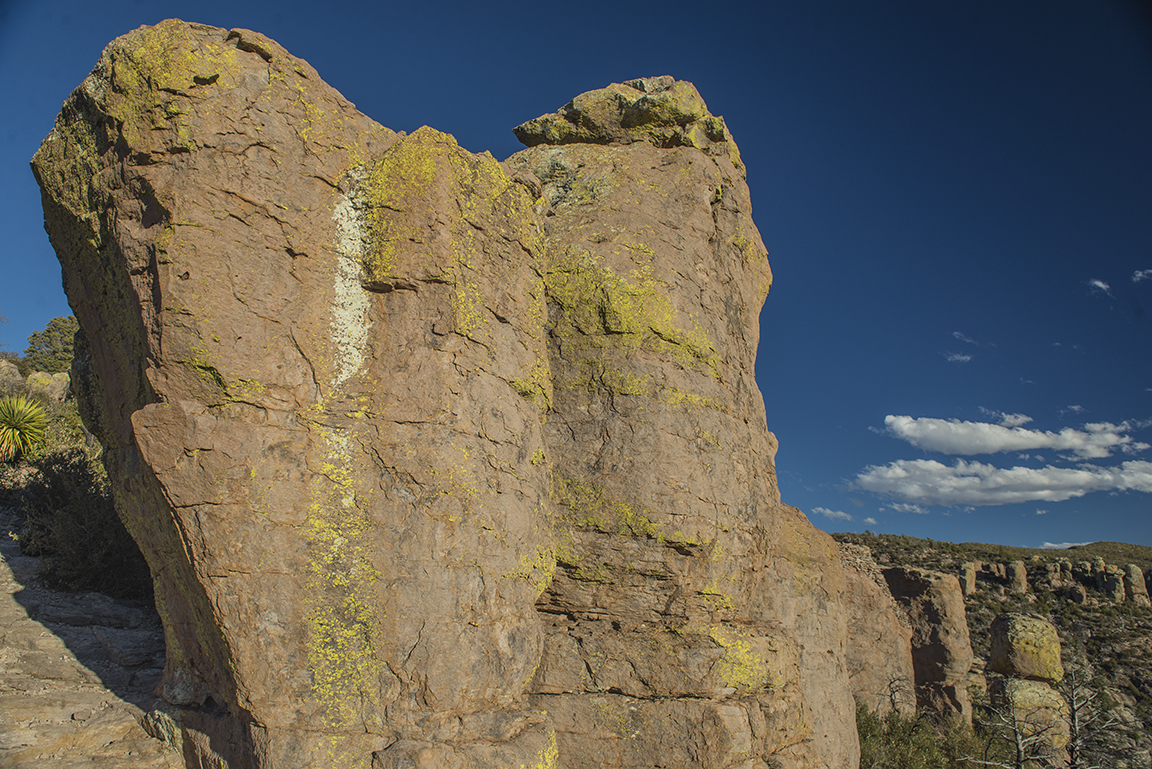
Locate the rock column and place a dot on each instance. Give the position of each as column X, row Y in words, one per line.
column 941, row 649
column 1025, row 649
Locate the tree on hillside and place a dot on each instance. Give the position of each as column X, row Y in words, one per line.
column 1090, row 722
column 1017, row 739
column 51, row 349
column 1014, row 739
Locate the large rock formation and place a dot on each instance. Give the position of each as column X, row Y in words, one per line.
column 941, row 648
column 437, row 461
column 880, row 665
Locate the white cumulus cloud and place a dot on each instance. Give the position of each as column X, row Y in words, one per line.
column 1140, row 275
column 926, row 481
column 870, row 521
column 951, row 436
column 955, row 357
column 835, row 515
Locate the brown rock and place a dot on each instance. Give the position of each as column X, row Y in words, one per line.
column 1025, row 646
column 1135, row 588
column 661, row 461
column 306, row 387
column 1017, row 577
column 879, row 637
column 941, row 649
column 968, row 578
column 320, row 355
column 64, row 700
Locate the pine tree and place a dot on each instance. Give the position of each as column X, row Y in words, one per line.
column 51, row 349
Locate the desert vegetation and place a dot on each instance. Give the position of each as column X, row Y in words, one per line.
column 53, row 483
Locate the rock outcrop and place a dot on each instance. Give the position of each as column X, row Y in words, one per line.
column 1026, row 652
column 438, row 461
column 1017, row 577
column 52, row 388
column 1025, row 646
column 1135, row 588
column 880, row 666
column 1079, row 582
column 941, row 649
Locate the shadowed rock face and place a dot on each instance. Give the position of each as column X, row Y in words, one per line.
column 879, row 656
column 437, row 461
column 941, row 649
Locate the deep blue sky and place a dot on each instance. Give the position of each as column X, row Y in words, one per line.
column 956, row 196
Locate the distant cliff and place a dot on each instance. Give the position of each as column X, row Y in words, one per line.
column 1095, row 595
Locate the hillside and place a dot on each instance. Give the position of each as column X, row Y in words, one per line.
column 1112, row 638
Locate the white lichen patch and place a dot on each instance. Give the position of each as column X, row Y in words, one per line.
column 350, row 321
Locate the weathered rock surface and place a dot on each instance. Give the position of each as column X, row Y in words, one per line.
column 53, row 387
column 879, row 637
column 1025, row 646
column 76, row 675
column 10, row 378
column 968, row 578
column 440, row 462
column 1135, row 588
column 1017, row 577
column 1026, row 650
column 1037, row 707
column 669, row 521
column 941, row 648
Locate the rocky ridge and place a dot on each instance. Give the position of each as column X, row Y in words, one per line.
column 1107, row 635
column 439, row 461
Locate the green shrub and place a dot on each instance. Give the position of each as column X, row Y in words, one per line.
column 70, row 521
column 22, row 426
column 893, row 741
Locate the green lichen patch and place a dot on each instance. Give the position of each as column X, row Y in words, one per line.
column 155, row 67
column 341, row 614
column 677, row 105
column 630, row 312
column 743, row 667
column 661, row 111
column 536, row 568
column 716, row 598
column 589, row 506
column 439, row 214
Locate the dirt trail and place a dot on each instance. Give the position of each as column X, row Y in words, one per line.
column 77, row 672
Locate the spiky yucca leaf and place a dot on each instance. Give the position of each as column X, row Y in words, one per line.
column 22, row 425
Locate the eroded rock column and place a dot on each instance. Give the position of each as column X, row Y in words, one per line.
column 311, row 353
column 694, row 619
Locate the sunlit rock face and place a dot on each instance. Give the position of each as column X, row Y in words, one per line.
column 439, row 461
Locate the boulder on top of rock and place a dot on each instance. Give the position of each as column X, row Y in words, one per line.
column 658, row 110
column 1025, row 646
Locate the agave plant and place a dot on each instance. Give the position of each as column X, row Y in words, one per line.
column 22, row 426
